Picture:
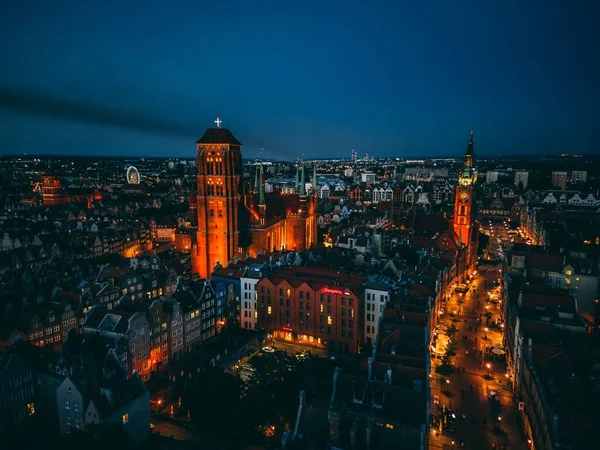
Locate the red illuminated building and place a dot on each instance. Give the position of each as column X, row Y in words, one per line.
column 465, row 227
column 231, row 223
column 53, row 192
column 313, row 306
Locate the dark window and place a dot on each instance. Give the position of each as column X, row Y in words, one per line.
column 301, row 315
column 343, row 300
column 307, row 306
column 343, row 311
column 308, row 296
column 328, row 330
column 301, row 294
column 280, row 302
column 329, row 310
column 301, row 305
column 343, row 322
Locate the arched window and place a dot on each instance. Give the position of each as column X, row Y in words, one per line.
column 220, row 213
column 212, row 213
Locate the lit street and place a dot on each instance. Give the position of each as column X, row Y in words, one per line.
column 479, row 391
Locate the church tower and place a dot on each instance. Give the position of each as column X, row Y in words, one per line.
column 219, row 174
column 463, row 203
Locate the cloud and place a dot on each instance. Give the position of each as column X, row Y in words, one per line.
column 47, row 105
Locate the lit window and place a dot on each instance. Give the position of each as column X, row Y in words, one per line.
column 269, row 310
column 389, row 425
column 321, row 307
column 125, row 418
column 30, row 409
column 328, row 320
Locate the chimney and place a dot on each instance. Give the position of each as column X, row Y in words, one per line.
column 389, row 375
column 370, row 373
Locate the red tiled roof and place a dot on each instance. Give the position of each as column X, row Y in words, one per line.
column 218, row 136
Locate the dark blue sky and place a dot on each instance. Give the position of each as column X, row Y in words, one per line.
column 393, row 78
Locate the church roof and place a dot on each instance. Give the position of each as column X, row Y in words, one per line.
column 218, row 136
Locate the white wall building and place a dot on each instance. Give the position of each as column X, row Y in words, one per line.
column 491, row 176
column 368, row 177
column 523, row 177
column 377, row 296
column 579, row 176
column 248, row 311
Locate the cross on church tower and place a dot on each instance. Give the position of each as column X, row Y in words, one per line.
column 218, row 122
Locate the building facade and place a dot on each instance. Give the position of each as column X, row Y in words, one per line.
column 463, row 203
column 232, row 223
column 314, row 307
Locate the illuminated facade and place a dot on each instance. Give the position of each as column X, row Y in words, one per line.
column 53, row 192
column 465, row 227
column 463, row 203
column 219, row 178
column 231, row 223
column 312, row 306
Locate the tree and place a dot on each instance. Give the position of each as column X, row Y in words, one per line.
column 213, row 398
column 484, row 240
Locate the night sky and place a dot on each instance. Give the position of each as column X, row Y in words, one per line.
column 388, row 78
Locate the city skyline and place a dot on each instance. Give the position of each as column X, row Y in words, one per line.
column 387, row 80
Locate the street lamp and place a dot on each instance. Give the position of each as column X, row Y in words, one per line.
column 452, row 445
column 489, row 366
column 447, row 387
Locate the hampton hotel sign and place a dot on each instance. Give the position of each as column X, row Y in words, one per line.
column 327, row 290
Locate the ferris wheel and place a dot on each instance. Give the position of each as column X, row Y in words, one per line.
column 133, row 176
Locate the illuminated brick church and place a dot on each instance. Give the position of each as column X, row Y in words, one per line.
column 233, row 221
